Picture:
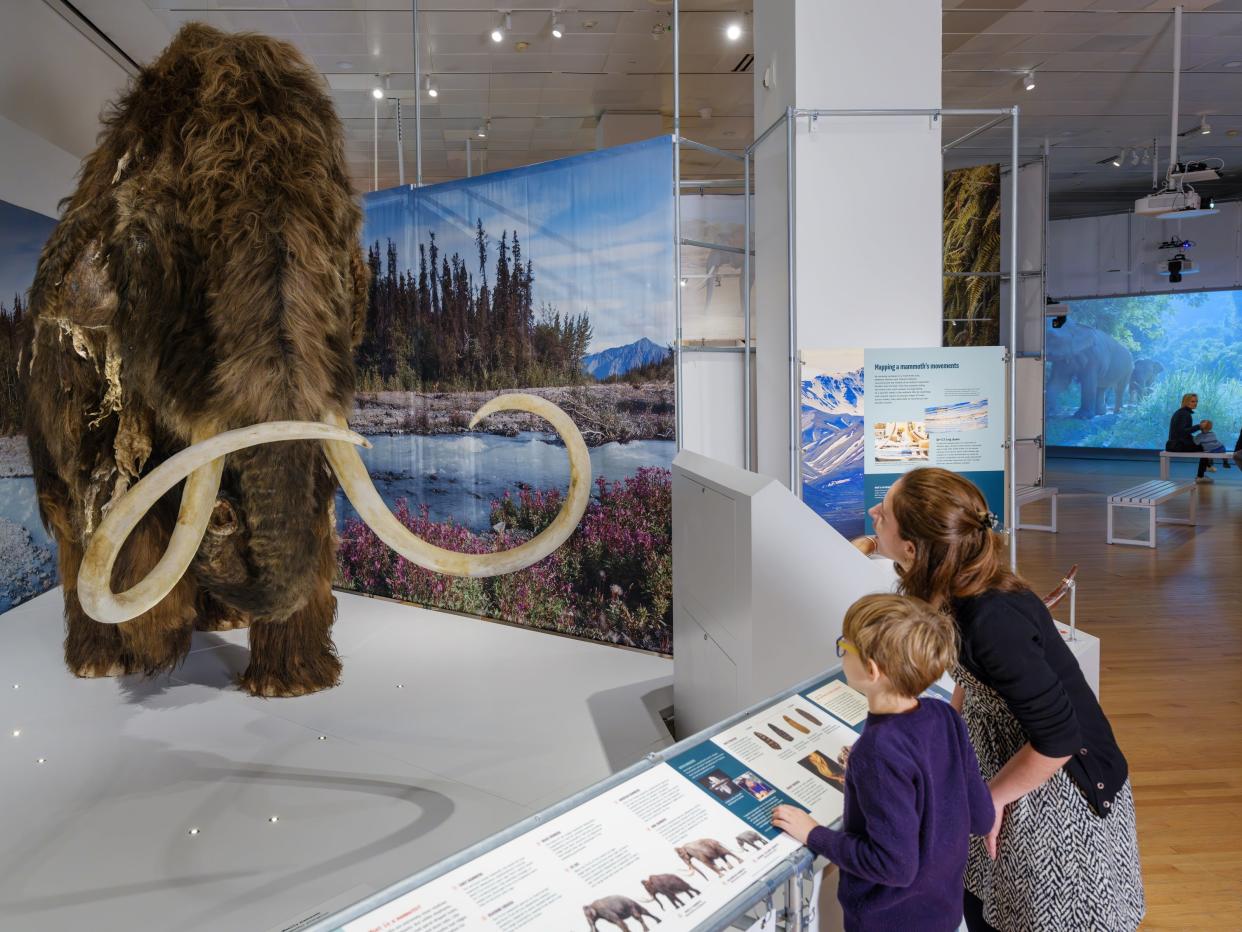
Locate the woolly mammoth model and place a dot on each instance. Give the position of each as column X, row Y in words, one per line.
column 194, row 317
column 1093, row 359
column 708, row 851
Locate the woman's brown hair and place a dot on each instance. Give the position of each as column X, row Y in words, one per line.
column 956, row 552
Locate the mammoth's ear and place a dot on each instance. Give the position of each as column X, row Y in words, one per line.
column 360, row 282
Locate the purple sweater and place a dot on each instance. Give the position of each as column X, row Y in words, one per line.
column 913, row 796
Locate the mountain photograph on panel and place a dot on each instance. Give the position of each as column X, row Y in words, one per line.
column 26, row 549
column 832, row 438
column 556, row 280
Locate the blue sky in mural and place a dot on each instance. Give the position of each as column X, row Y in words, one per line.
column 22, row 235
column 598, row 228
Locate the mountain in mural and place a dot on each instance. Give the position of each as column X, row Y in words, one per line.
column 832, row 449
column 617, row 361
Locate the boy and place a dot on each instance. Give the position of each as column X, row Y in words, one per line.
column 913, row 793
column 1211, row 443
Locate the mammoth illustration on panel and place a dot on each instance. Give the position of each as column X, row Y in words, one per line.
column 189, row 369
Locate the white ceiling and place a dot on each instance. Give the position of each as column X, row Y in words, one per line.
column 1103, row 69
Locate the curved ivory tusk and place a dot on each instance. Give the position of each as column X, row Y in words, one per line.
column 356, row 482
column 201, row 465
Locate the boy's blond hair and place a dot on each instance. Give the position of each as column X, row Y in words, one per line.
column 911, row 642
column 1205, row 424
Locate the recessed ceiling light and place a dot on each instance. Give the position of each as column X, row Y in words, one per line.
column 41, row 760
column 345, row 65
column 192, row 831
column 734, row 32
column 521, row 46
column 590, row 23
column 274, row 819
column 17, row 732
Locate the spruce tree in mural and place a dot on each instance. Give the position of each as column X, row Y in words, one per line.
column 972, row 240
column 442, row 336
column 11, row 407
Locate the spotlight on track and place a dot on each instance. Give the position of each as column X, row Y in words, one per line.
column 557, row 29
column 430, row 87
column 1028, row 82
column 1205, row 128
column 733, row 32
column 377, row 93
column 504, row 25
column 1119, row 158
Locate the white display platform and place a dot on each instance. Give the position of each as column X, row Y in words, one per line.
column 444, row 730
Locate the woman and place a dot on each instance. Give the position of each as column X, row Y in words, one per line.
column 1181, row 433
column 1063, row 853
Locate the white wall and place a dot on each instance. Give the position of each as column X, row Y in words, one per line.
column 53, row 85
column 1117, row 254
column 867, row 220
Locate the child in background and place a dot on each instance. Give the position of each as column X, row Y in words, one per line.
column 1211, row 443
column 913, row 793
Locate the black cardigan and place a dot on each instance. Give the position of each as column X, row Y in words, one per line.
column 1181, row 429
column 1009, row 642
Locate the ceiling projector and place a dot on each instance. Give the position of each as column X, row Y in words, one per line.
column 1173, row 205
column 1176, row 267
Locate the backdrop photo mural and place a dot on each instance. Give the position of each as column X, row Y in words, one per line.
column 556, row 279
column 1117, row 369
column 27, row 552
column 972, row 245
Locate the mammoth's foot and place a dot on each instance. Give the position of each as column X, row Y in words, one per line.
column 93, row 650
column 216, row 616
column 287, row 684
column 296, row 656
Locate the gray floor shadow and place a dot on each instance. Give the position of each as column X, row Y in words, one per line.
column 613, row 711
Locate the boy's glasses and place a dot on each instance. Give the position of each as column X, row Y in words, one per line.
column 843, row 645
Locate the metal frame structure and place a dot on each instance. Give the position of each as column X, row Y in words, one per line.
column 999, row 116
column 789, row 873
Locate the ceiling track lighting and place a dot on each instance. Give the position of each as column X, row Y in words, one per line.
column 733, row 32
column 1119, row 159
column 557, row 29
column 1205, row 128
column 1028, row 82
column 430, row 87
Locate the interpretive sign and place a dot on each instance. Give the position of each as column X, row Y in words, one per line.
column 674, row 843
column 868, row 416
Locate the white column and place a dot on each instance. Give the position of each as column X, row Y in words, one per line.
column 867, row 235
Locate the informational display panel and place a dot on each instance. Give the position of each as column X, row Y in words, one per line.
column 939, row 406
column 673, row 844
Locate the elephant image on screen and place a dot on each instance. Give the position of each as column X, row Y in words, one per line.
column 1099, row 364
column 1118, row 368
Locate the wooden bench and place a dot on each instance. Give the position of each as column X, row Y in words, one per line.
column 1151, row 495
column 1028, row 494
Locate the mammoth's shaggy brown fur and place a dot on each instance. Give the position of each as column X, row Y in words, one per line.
column 206, row 275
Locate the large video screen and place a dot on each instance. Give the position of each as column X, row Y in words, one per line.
column 1117, row 369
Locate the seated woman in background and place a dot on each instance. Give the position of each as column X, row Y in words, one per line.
column 1237, row 450
column 1181, row 433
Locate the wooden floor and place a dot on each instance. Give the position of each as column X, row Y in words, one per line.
column 1170, row 623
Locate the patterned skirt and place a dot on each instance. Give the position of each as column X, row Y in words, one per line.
column 1060, row 867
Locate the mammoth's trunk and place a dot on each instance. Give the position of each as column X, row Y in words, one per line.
column 283, row 492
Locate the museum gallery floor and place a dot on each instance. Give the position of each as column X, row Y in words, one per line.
column 182, row 798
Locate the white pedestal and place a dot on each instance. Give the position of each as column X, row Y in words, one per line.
column 760, row 587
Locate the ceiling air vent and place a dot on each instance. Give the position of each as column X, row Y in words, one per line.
column 744, row 63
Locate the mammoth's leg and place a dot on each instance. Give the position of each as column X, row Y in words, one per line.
column 296, row 656
column 214, row 615
column 159, row 638
column 91, row 648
